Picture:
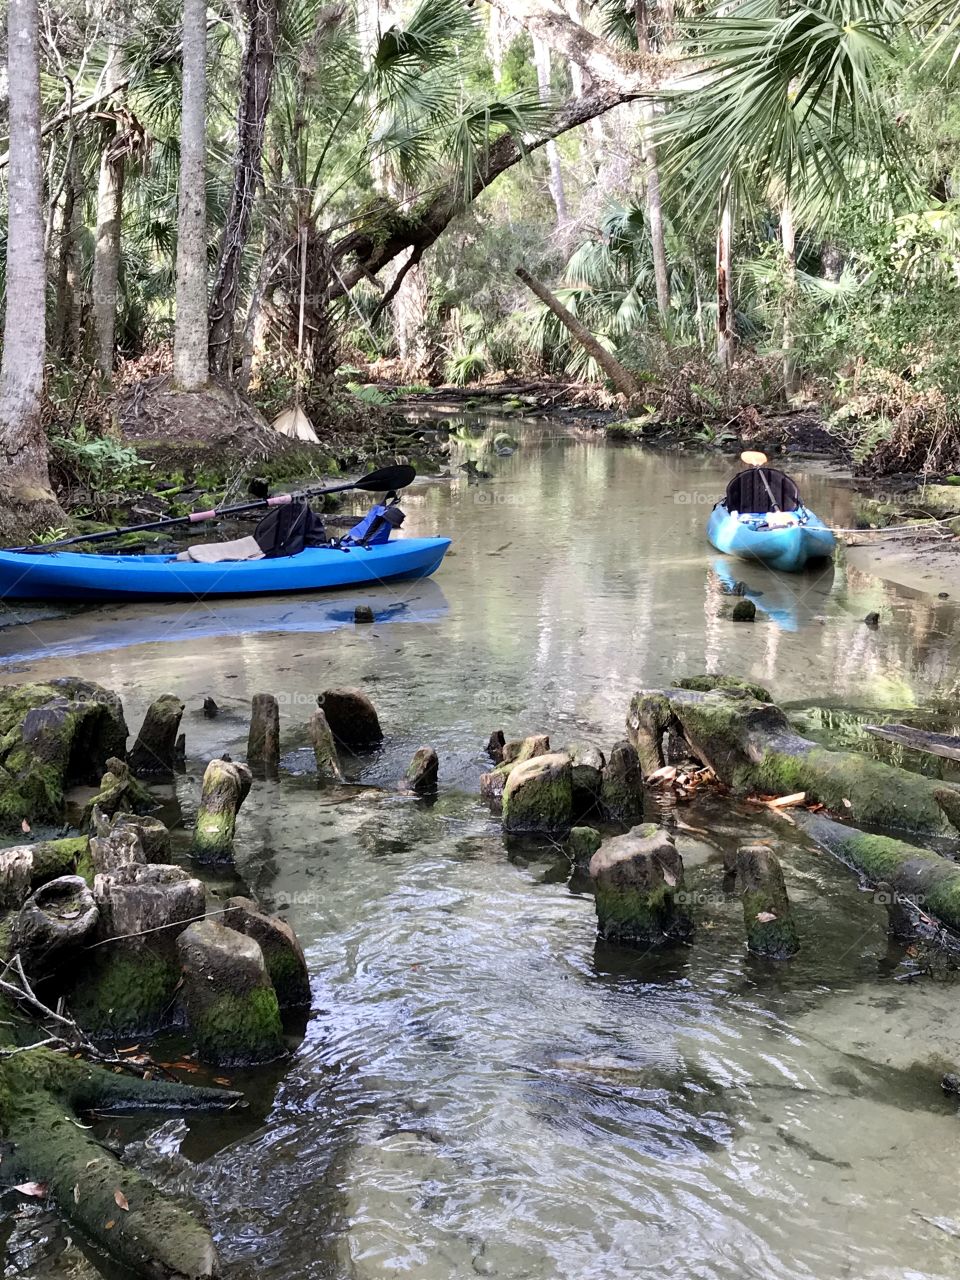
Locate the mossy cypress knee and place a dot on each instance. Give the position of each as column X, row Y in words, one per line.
column 638, row 880
column 282, row 952
column 324, row 749
column 225, row 787
column 423, row 771
column 538, row 797
column 154, row 753
column 352, row 718
column 581, row 844
column 231, row 1006
column 621, row 791
column 771, row 929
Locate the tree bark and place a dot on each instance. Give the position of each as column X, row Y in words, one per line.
column 25, row 482
column 190, row 346
column 541, row 53
column 256, row 83
column 654, row 201
column 107, row 244
column 67, row 228
column 621, row 378
column 788, row 242
column 726, row 315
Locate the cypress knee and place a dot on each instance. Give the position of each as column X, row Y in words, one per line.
column 771, row 930
column 225, row 787
column 154, row 752
column 638, row 880
column 263, row 743
column 324, row 749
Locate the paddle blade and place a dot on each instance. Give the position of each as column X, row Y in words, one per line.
column 753, row 458
column 386, row 478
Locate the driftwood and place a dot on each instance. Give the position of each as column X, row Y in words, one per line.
column 753, row 749
column 935, row 744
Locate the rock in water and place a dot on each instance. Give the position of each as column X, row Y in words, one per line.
column 582, row 843
column 210, row 708
column 363, row 614
column 324, row 749
column 495, row 744
column 154, row 836
column 537, row 744
column 771, row 930
column 232, row 1008
column 282, row 953
column 637, row 879
column 538, row 797
column 743, row 611
column 621, row 791
column 129, row 984
column 263, row 741
column 154, row 752
column 56, row 921
column 423, row 771
column 225, row 787
column 352, row 718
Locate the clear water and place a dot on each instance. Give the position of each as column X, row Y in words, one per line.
column 483, row 1088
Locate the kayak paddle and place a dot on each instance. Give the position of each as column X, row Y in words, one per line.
column 383, row 481
column 753, row 458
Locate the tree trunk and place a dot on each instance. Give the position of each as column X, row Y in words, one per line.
column 25, row 483
column 541, row 53
column 66, row 229
column 726, row 317
column 256, row 324
column 654, row 203
column 788, row 240
column 190, row 360
column 106, row 253
column 256, row 82
column 621, row 378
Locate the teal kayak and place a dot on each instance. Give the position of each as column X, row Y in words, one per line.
column 789, row 547
column 72, row 575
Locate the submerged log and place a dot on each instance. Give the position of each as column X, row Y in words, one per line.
column 225, row 787
column 154, row 752
column 41, row 1095
column 753, row 749
column 923, row 880
column 263, row 742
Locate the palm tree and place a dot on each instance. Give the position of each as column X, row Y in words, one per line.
column 26, row 495
column 797, row 95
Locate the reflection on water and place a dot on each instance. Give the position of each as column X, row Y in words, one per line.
column 483, row 1089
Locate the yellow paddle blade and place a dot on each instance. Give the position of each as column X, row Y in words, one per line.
column 754, row 459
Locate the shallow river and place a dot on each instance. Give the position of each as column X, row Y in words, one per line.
column 483, row 1089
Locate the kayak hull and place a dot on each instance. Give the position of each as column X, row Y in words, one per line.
column 789, row 549
column 70, row 575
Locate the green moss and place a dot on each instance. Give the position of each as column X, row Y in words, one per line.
column 582, row 843
column 637, row 917
column 235, row 1029
column 53, row 858
column 213, row 837
column 705, row 684
column 776, row 939
column 541, row 805
column 125, row 992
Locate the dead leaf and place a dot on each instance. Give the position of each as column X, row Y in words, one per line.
column 76, row 1193
column 37, row 1189
column 666, row 774
column 108, row 1226
column 221, row 1080
column 847, row 804
column 91, row 1163
column 24, row 825
column 120, row 1199
column 766, row 917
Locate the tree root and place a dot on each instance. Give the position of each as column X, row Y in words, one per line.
column 40, row 1094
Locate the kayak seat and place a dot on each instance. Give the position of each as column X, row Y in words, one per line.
column 220, row 552
column 746, row 492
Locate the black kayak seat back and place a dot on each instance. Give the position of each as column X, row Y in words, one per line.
column 746, row 492
column 288, row 529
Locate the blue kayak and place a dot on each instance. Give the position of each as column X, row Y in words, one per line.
column 788, row 547
column 71, row 575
